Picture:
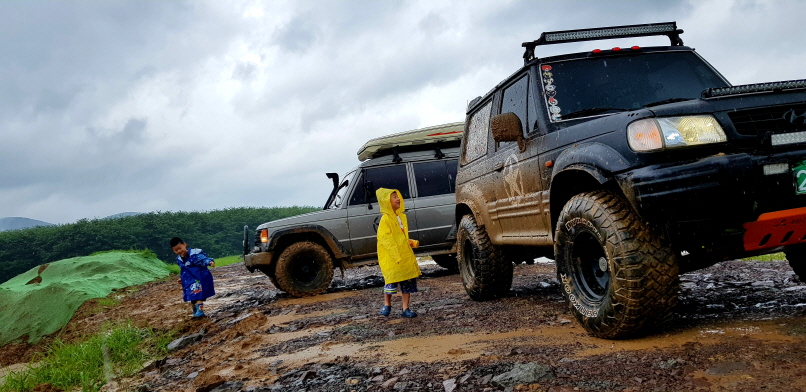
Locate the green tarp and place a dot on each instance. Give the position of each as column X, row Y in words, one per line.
column 43, row 307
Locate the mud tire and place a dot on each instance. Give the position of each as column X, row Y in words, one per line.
column 269, row 271
column 486, row 273
column 639, row 288
column 448, row 262
column 796, row 256
column 303, row 269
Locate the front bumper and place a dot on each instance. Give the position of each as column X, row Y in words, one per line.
column 713, row 195
column 256, row 260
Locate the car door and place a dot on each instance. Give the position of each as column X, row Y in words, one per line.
column 435, row 183
column 520, row 207
column 363, row 212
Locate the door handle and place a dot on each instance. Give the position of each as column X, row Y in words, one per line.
column 499, row 166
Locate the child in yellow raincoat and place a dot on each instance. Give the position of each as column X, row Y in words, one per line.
column 395, row 256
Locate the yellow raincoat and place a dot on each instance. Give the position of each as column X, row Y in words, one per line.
column 395, row 255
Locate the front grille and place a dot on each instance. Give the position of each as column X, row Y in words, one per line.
column 775, row 119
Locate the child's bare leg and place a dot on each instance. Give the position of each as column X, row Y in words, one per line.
column 387, row 299
column 406, row 298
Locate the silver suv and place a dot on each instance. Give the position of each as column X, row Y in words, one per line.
column 299, row 254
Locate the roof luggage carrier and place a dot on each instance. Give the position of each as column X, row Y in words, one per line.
column 441, row 135
column 668, row 29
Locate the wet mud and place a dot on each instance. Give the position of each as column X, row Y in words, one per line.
column 739, row 326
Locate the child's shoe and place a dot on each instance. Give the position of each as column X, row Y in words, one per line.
column 198, row 311
column 408, row 313
column 385, row 310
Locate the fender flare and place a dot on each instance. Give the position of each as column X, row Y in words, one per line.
column 333, row 244
column 596, row 159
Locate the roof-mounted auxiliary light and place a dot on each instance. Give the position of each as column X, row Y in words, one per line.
column 616, row 49
column 668, row 29
column 754, row 88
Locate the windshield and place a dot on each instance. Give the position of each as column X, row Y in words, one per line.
column 579, row 88
column 338, row 199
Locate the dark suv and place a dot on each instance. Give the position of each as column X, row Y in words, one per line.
column 629, row 166
column 299, row 253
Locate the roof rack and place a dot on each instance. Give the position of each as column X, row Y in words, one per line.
column 668, row 29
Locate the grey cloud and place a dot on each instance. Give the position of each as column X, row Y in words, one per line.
column 244, row 72
column 298, row 35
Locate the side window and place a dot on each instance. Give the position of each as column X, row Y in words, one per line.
column 358, row 192
column 392, row 177
column 515, row 100
column 435, row 178
column 477, row 133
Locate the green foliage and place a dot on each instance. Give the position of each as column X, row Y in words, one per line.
column 218, row 232
column 220, row 262
column 780, row 256
column 117, row 351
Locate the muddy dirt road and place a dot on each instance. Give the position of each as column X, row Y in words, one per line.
column 740, row 326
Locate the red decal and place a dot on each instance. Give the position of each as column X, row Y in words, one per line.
column 444, row 133
column 546, row 68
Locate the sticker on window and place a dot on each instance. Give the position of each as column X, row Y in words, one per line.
column 551, row 91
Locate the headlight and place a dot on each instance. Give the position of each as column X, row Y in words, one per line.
column 650, row 134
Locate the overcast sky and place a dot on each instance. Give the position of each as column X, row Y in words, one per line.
column 112, row 106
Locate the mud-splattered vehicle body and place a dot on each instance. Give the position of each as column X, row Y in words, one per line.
column 628, row 166
column 299, row 253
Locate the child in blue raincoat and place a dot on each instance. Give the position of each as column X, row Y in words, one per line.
column 196, row 279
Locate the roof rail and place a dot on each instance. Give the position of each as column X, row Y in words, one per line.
column 668, row 29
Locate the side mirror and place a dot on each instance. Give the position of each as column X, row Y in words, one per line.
column 507, row 127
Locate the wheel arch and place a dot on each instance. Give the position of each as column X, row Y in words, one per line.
column 576, row 179
column 281, row 239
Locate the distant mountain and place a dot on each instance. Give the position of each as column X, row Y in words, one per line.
column 16, row 223
column 122, row 215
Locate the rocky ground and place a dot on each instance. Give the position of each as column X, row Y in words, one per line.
column 740, row 326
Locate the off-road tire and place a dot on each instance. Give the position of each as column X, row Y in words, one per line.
column 639, row 288
column 486, row 273
column 448, row 262
column 304, row 269
column 269, row 271
column 797, row 260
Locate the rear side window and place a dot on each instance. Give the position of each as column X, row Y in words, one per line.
column 391, row 177
column 435, row 178
column 476, row 143
column 516, row 101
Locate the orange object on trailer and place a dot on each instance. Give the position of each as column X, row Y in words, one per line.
column 773, row 229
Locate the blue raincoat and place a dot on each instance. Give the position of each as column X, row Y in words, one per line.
column 197, row 281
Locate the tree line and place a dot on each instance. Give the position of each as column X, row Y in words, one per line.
column 218, row 232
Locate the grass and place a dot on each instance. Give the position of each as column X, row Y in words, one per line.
column 770, row 257
column 118, row 351
column 219, row 262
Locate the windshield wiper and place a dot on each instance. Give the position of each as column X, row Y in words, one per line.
column 590, row 112
column 670, row 100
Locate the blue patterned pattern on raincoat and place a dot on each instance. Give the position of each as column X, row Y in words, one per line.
column 197, row 281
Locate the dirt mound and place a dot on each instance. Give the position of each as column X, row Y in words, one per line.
column 43, row 299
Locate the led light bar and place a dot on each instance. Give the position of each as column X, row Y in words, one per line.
column 641, row 30
column 754, row 88
column 781, row 139
column 609, row 32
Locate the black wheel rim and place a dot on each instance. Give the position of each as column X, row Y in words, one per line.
column 305, row 269
column 591, row 269
column 469, row 261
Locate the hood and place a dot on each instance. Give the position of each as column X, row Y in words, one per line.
column 383, row 195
